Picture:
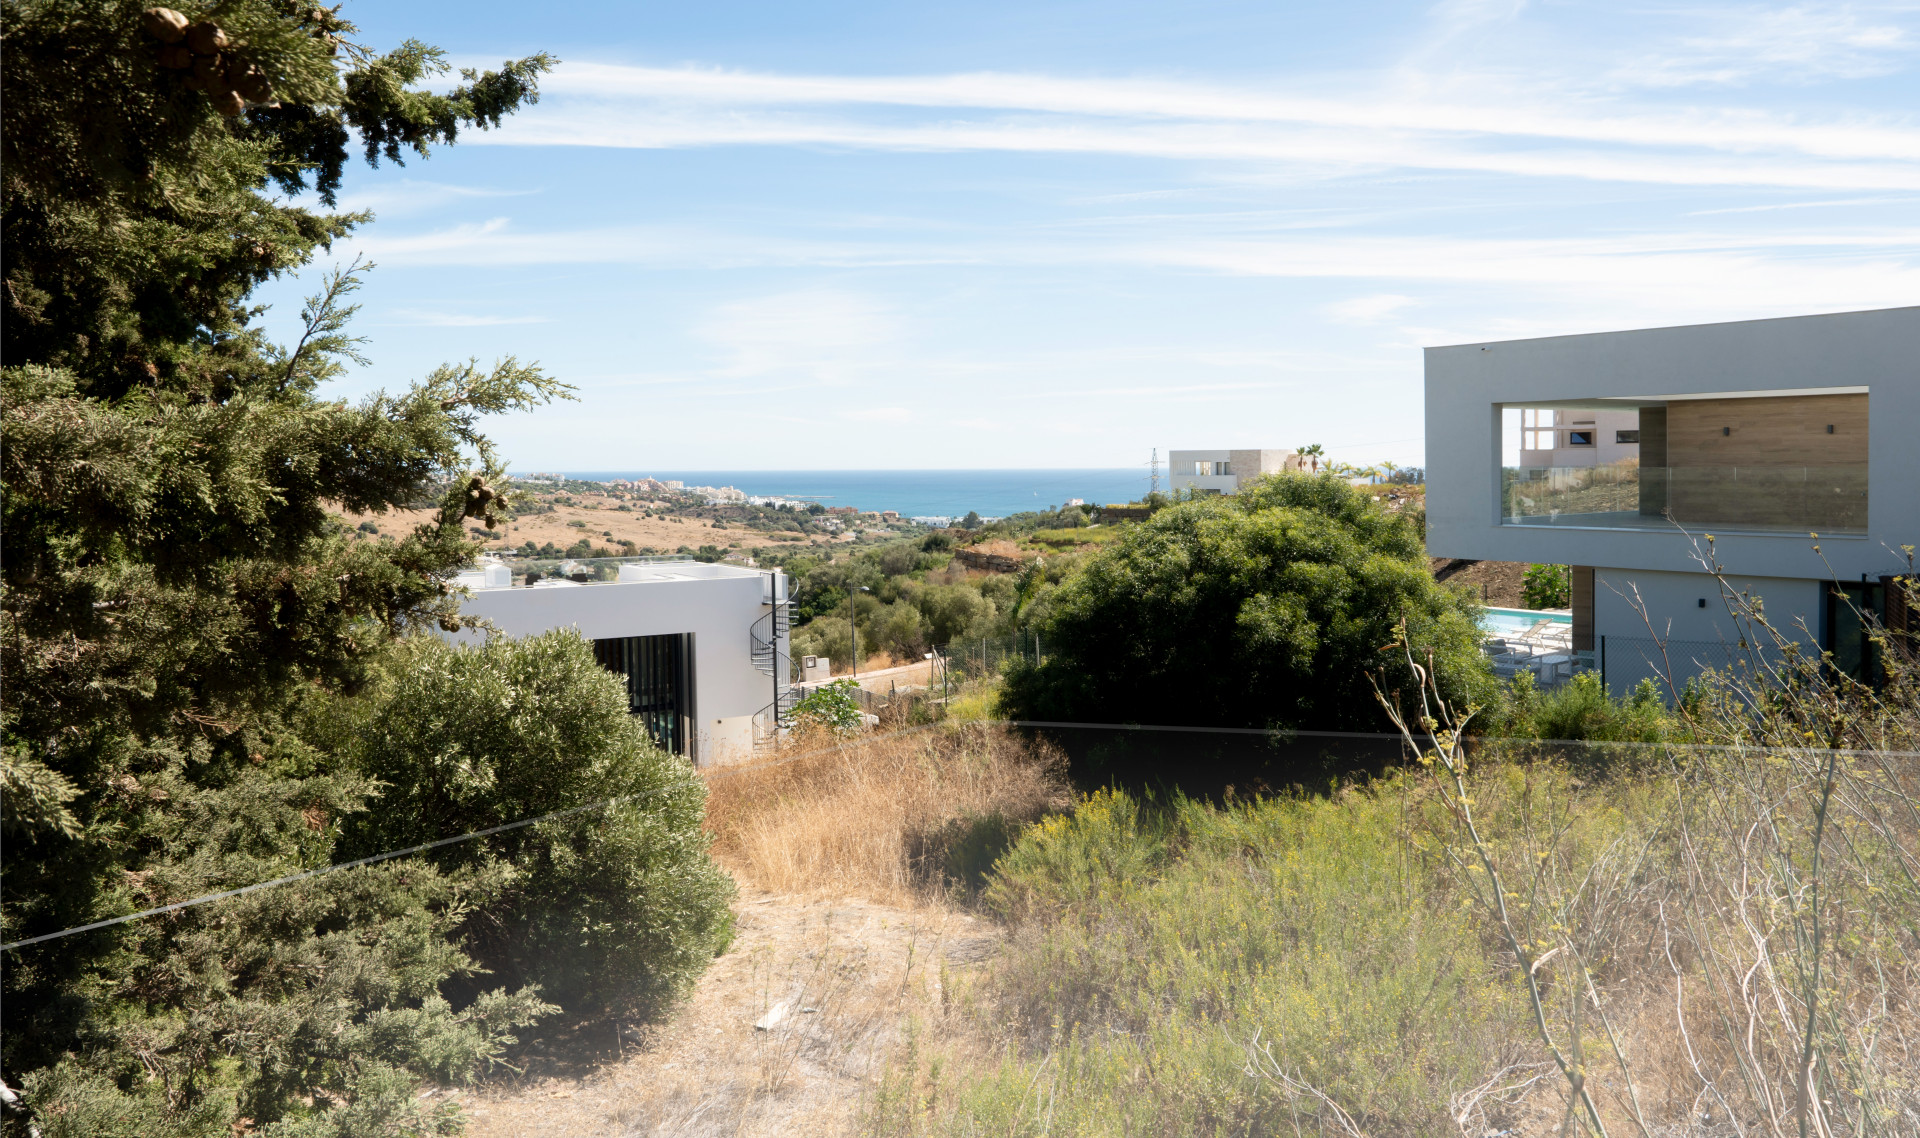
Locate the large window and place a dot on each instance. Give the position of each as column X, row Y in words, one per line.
column 1789, row 461
column 659, row 675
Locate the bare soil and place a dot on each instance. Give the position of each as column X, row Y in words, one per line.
column 1498, row 583
column 846, row 976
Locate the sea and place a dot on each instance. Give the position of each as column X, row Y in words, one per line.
column 913, row 493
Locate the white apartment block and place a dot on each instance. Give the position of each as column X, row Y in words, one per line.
column 1224, row 471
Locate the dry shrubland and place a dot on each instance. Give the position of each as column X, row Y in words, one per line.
column 898, row 818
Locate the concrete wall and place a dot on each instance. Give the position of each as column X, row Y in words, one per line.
column 1180, row 475
column 717, row 604
column 1878, row 350
column 1694, row 633
column 1246, row 465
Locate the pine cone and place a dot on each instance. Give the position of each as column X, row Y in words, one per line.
column 250, row 81
column 164, row 24
column 228, row 103
column 175, row 58
column 207, row 39
column 209, row 70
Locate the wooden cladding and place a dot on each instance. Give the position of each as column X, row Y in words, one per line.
column 1582, row 596
column 1786, row 430
column 1793, row 461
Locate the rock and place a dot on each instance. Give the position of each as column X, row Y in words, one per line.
column 774, row 1015
column 164, row 24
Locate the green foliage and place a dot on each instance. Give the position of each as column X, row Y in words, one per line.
column 135, row 222
column 831, row 706
column 178, row 600
column 1155, row 942
column 1547, row 586
column 1262, row 609
column 611, row 909
column 1073, row 860
column 1581, row 710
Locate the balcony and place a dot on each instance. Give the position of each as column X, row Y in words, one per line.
column 1785, row 499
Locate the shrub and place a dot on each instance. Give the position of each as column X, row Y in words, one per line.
column 1264, row 609
column 1580, row 710
column 1153, row 943
column 831, row 707
column 614, row 908
column 1547, row 586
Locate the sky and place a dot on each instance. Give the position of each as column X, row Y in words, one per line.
column 856, row 235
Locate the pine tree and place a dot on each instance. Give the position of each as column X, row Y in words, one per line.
column 177, row 603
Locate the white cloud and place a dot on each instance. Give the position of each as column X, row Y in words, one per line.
column 1369, row 309
column 825, row 334
column 1541, row 132
column 1797, row 43
column 834, row 334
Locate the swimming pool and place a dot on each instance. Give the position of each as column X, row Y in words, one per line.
column 1513, row 622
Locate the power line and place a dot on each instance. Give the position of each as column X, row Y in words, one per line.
column 410, row 850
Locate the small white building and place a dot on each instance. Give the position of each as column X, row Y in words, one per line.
column 1224, row 471
column 704, row 647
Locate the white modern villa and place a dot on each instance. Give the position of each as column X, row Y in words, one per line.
column 1615, row 452
column 703, row 647
column 1224, row 471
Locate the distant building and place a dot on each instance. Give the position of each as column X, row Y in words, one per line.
column 1225, row 471
column 703, row 647
column 932, row 521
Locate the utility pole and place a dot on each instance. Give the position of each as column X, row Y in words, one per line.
column 1154, row 485
column 853, row 629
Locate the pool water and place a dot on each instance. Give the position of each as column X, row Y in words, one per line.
column 1513, row 622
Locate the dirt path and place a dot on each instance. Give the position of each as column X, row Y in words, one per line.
column 784, row 1034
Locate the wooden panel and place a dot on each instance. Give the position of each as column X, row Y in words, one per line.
column 1790, row 430
column 1582, row 579
column 1769, row 462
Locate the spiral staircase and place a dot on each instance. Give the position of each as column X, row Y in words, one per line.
column 765, row 640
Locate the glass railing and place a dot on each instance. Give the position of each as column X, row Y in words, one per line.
column 1818, row 499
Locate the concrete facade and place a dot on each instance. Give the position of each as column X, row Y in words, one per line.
column 718, row 605
column 1224, row 471
column 1719, row 370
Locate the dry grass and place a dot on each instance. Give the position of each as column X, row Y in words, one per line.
column 898, row 819
column 846, row 852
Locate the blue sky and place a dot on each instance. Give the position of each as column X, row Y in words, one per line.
column 857, row 235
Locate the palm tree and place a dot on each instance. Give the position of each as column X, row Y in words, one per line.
column 1312, row 453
